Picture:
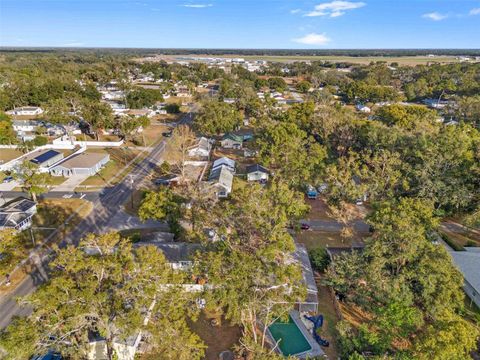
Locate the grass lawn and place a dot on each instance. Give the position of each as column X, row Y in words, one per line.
column 119, row 158
column 151, row 134
column 53, row 212
column 103, row 177
column 9, row 154
column 57, row 180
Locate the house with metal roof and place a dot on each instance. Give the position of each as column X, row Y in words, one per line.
column 221, row 178
column 81, row 164
column 201, row 149
column 468, row 262
column 178, row 254
column 232, row 141
column 17, row 214
column 225, row 162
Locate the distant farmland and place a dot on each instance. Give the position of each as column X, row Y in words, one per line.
column 402, row 60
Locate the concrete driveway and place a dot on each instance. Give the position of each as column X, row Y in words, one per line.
column 71, row 183
column 9, row 186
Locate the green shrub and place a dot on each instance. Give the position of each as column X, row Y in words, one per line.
column 319, row 259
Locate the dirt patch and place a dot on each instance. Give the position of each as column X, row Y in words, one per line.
column 218, row 338
column 319, row 210
column 326, row 307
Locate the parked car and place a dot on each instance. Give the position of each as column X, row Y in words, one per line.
column 304, row 226
column 164, row 180
column 8, row 179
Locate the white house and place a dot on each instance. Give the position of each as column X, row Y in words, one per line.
column 26, row 111
column 17, row 214
column 229, row 101
column 257, row 173
column 202, row 149
column 222, row 179
column 25, row 125
column 363, row 108
column 81, row 164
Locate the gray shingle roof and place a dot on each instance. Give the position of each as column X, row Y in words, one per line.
column 255, row 168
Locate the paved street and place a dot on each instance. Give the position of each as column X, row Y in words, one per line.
column 107, row 206
column 334, row 226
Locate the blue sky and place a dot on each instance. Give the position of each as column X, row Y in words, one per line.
column 241, row 23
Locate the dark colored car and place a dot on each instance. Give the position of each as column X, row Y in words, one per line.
column 304, row 226
column 164, row 180
column 167, row 133
column 8, row 179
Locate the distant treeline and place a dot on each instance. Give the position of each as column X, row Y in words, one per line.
column 258, row 52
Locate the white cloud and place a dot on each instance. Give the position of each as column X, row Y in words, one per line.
column 335, row 8
column 313, row 39
column 475, row 11
column 435, row 16
column 73, row 44
column 197, row 6
column 295, row 11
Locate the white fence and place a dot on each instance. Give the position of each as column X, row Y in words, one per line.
column 62, row 141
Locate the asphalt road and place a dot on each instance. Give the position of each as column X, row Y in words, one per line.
column 334, row 226
column 107, row 203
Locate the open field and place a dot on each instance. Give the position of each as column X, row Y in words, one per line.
column 365, row 60
column 151, row 134
column 9, row 154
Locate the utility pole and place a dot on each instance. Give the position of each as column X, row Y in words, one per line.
column 131, row 193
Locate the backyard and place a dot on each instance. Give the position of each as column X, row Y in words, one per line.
column 218, row 337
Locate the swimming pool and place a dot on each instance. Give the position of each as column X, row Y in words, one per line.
column 292, row 341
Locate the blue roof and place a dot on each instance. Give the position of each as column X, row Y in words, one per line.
column 40, row 159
